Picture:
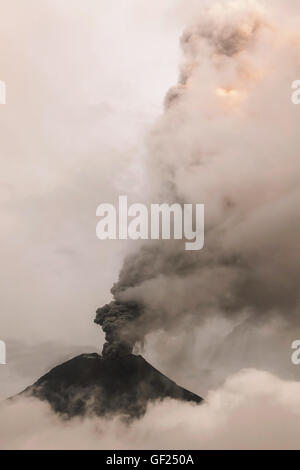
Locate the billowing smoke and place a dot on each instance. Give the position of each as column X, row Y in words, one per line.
column 228, row 138
column 118, row 323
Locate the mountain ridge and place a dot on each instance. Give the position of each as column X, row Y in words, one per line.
column 93, row 384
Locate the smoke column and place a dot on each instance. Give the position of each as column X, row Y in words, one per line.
column 227, row 138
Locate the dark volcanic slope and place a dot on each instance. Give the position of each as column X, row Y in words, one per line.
column 91, row 383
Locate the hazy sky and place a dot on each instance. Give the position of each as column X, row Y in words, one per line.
column 85, row 82
column 83, row 85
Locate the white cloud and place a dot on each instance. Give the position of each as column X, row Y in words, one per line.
column 252, row 410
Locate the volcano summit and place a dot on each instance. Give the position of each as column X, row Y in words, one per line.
column 92, row 384
column 117, row 382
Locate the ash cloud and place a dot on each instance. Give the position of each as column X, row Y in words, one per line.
column 117, row 321
column 228, row 138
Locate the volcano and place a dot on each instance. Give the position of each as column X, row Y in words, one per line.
column 93, row 384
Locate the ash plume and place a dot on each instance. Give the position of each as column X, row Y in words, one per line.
column 227, row 141
column 117, row 321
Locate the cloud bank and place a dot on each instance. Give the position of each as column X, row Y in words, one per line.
column 252, row 410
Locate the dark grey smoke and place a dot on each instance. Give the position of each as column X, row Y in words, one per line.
column 117, row 321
